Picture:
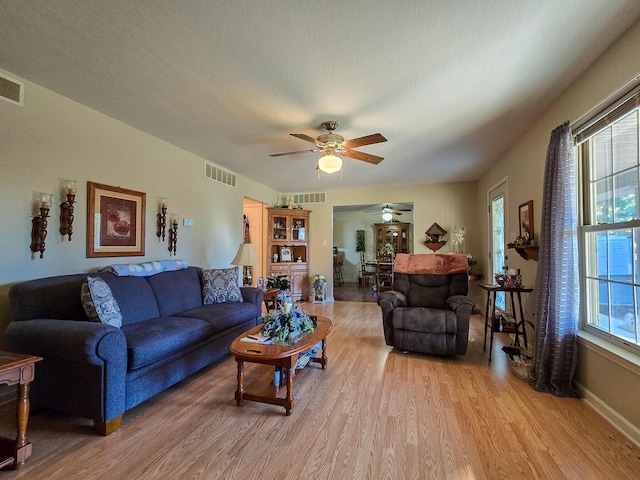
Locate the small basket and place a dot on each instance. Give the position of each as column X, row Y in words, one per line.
column 520, row 364
column 508, row 281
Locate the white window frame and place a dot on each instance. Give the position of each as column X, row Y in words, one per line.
column 600, row 122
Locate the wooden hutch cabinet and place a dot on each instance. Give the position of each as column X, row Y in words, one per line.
column 288, row 248
column 395, row 233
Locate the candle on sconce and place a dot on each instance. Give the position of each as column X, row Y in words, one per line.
column 70, row 187
column 45, row 200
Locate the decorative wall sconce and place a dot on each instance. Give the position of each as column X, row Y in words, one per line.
column 162, row 219
column 66, row 208
column 173, row 234
column 42, row 204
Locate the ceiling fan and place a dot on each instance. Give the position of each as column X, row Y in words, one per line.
column 332, row 144
column 388, row 212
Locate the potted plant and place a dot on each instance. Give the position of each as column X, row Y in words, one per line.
column 360, row 248
column 281, row 282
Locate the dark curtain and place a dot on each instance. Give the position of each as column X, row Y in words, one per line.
column 557, row 282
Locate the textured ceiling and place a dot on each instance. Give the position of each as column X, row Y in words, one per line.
column 450, row 83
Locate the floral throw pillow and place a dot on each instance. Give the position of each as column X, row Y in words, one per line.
column 98, row 302
column 220, row 286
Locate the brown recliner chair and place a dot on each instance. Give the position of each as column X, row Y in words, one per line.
column 428, row 312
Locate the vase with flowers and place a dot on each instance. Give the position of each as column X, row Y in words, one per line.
column 285, row 327
column 386, row 250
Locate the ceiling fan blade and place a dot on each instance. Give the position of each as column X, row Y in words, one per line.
column 304, row 137
column 291, row 153
column 367, row 140
column 365, row 157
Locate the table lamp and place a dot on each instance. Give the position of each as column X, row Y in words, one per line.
column 246, row 257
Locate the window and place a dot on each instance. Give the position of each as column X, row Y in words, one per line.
column 498, row 257
column 610, row 232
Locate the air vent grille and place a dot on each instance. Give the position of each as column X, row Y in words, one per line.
column 11, row 90
column 318, row 197
column 220, row 175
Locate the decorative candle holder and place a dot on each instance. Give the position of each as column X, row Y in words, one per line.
column 66, row 208
column 42, row 205
column 173, row 234
column 162, row 219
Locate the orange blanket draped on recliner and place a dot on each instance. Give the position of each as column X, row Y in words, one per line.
column 431, row 263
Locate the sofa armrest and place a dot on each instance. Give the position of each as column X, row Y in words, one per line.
column 85, row 365
column 89, row 343
column 388, row 301
column 460, row 301
column 462, row 306
column 252, row 295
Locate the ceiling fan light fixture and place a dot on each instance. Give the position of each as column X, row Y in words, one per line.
column 387, row 216
column 329, row 163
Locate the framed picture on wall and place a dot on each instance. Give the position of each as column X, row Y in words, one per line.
column 525, row 216
column 115, row 221
column 285, row 254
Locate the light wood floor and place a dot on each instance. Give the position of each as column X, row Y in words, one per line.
column 373, row 414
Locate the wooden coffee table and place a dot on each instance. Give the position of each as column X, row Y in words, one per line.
column 279, row 356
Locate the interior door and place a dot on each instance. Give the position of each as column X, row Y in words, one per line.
column 497, row 238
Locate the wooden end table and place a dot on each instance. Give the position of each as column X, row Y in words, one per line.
column 280, row 356
column 488, row 317
column 17, row 369
column 270, row 297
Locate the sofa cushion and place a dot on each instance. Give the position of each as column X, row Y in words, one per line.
column 135, row 298
column 177, row 291
column 428, row 320
column 98, row 302
column 431, row 291
column 154, row 339
column 220, row 286
column 222, row 316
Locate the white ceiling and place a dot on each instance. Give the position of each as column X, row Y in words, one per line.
column 450, row 83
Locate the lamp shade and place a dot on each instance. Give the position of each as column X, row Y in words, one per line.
column 386, row 216
column 329, row 163
column 246, row 256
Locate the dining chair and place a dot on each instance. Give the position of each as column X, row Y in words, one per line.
column 338, row 261
column 365, row 274
column 384, row 273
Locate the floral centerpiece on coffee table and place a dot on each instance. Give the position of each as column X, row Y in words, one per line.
column 278, row 325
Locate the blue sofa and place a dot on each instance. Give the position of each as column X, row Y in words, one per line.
column 98, row 371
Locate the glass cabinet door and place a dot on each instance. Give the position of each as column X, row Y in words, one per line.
column 299, row 228
column 280, row 227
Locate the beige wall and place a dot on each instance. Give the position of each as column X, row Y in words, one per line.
column 52, row 138
column 449, row 205
column 605, row 383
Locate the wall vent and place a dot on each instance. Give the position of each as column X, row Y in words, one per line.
column 319, row 197
column 218, row 174
column 11, row 90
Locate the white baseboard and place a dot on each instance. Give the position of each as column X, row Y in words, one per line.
column 630, row 431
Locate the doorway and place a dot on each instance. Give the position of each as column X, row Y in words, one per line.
column 354, row 222
column 497, row 239
column 255, row 215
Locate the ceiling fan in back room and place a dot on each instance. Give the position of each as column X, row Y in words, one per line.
column 332, row 145
column 388, row 212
